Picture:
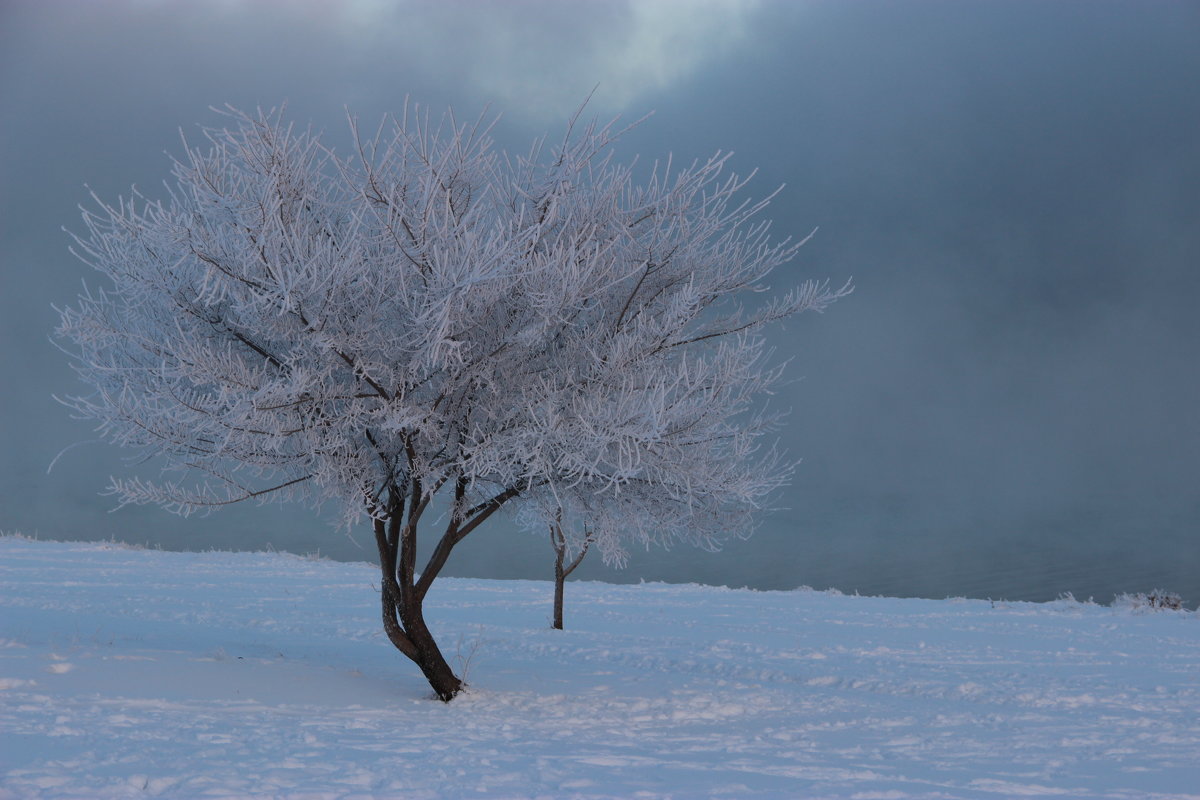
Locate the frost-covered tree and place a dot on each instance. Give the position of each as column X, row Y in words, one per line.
column 427, row 317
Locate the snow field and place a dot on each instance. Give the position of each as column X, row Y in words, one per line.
column 134, row 673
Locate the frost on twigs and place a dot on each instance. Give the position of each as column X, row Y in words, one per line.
column 1156, row 600
column 290, row 324
column 426, row 314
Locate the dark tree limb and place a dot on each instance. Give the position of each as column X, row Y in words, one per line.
column 457, row 530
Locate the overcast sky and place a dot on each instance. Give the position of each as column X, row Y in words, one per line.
column 1008, row 405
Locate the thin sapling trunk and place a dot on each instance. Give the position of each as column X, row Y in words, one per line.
column 559, row 542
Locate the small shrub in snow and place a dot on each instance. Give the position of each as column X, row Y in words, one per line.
column 1068, row 598
column 1156, row 600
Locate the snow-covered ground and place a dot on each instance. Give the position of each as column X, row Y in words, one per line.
column 132, row 673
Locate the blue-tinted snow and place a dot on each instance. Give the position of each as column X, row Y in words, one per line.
column 132, row 673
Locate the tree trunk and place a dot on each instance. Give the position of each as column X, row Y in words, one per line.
column 403, row 594
column 559, row 541
column 446, row 685
column 403, row 616
column 405, row 626
column 559, row 579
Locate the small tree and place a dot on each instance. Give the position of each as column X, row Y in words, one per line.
column 428, row 317
column 563, row 569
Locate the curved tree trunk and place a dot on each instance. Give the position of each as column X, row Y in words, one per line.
column 402, row 593
column 446, row 685
column 406, row 629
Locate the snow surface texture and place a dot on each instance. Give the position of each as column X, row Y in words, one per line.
column 133, row 673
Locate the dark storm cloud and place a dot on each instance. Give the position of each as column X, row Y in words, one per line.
column 1008, row 400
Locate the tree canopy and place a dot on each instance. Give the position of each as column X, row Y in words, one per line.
column 427, row 314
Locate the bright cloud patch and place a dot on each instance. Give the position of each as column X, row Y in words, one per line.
column 540, row 59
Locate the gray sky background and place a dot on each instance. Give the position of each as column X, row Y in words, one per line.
column 1008, row 406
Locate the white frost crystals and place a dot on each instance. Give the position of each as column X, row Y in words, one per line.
column 429, row 313
column 288, row 322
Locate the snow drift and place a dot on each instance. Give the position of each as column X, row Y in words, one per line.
column 134, row 673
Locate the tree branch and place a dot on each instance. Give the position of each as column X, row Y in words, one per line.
column 456, row 532
column 587, row 541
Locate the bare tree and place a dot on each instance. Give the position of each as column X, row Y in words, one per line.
column 562, row 569
column 428, row 318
